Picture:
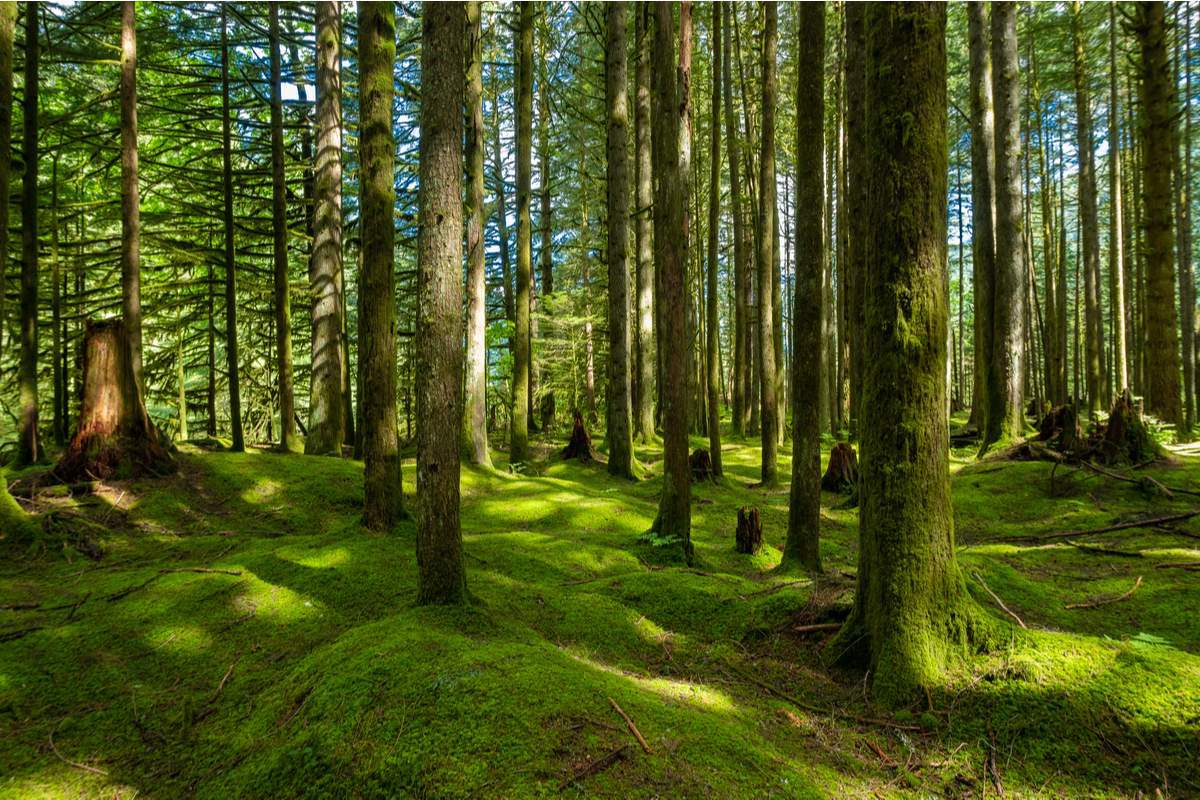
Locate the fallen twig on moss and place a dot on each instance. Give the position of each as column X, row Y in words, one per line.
column 817, row 627
column 815, row 709
column 999, row 602
column 1189, row 565
column 1104, row 551
column 69, row 762
column 1104, row 601
column 596, row 765
column 632, row 727
column 1120, row 526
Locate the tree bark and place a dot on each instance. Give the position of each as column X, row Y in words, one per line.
column 741, row 271
column 29, row 448
column 646, row 367
column 911, row 609
column 521, row 391
column 674, row 518
column 1158, row 123
column 1181, row 158
column 8, row 23
column 983, row 202
column 768, row 396
column 131, row 283
column 712, row 319
column 383, row 488
column 1117, row 244
column 282, row 299
column 231, row 335
column 439, row 331
column 326, row 426
column 857, row 235
column 804, row 507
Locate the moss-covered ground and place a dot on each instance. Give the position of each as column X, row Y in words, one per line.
column 243, row 636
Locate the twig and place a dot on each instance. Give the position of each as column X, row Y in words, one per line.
column 69, row 762
column 999, row 602
column 632, row 727
column 777, row 587
column 1104, row 601
column 820, row 626
column 1121, row 526
column 887, row 760
column 992, row 769
column 12, row 636
column 1179, row 565
column 221, row 685
column 815, row 709
column 592, row 767
column 1091, row 548
column 79, row 603
column 202, row 570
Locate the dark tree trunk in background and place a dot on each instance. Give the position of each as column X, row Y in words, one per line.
column 742, row 356
column 383, row 496
column 804, row 507
column 29, row 447
column 712, row 323
column 131, row 276
column 474, row 418
column 115, row 437
column 1181, row 167
column 1006, row 368
column 647, row 365
column 326, row 426
column 8, row 24
column 502, row 211
column 766, row 253
column 282, row 299
column 911, row 609
column 983, row 203
column 857, row 235
column 1158, row 123
column 670, row 250
column 444, row 42
column 231, row 338
column 521, row 390
column 546, row 268
column 619, row 406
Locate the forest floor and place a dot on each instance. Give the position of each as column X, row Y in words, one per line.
column 243, row 636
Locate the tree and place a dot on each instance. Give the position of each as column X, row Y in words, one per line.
column 8, row 23
column 441, row 574
column 742, row 356
column 131, row 280
column 620, row 401
column 474, row 422
column 857, row 235
column 674, row 519
column 29, row 448
column 282, row 298
column 231, row 333
column 647, row 365
column 1004, row 412
column 519, row 445
column 383, row 491
column 911, row 609
column 712, row 323
column 804, row 507
column 983, row 202
column 1116, row 246
column 1158, row 138
column 766, row 252
column 326, row 425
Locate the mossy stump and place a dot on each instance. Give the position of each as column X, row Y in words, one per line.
column 700, row 463
column 580, row 444
column 842, row 473
column 1126, row 436
column 1060, row 426
column 748, row 538
column 115, row 437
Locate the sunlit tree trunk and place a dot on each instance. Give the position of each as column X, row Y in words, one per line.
column 131, row 280
column 741, row 271
column 1181, row 163
column 1116, row 246
column 29, row 448
column 646, row 367
column 712, row 321
column 282, row 298
column 231, row 335
column 521, row 390
column 8, row 23
column 854, row 216
column 983, row 201
column 766, row 252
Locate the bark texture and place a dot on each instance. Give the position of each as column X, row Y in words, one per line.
column 231, row 339
column 131, row 275
column 983, row 202
column 742, row 355
column 768, row 395
column 29, row 449
column 282, row 297
column 8, row 23
column 712, row 322
column 647, row 362
column 521, row 389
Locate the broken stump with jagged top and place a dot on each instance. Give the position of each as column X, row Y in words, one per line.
column 842, row 473
column 748, row 538
column 580, row 444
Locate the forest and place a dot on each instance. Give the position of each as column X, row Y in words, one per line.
column 599, row 399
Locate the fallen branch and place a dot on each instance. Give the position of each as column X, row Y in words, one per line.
column 773, row 589
column 12, row 636
column 999, row 602
column 887, row 760
column 221, row 685
column 69, row 762
column 202, row 570
column 815, row 709
column 1120, row 526
column 1104, row 601
column 1104, row 551
column 596, row 765
column 632, row 727
column 1189, row 565
column 817, row 627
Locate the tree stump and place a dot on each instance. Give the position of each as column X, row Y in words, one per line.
column 1060, row 426
column 842, row 473
column 1126, row 436
column 115, row 437
column 580, row 444
column 701, row 465
column 749, row 531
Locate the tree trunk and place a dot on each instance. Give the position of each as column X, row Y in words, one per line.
column 8, row 23
column 766, row 253
column 643, row 395
column 804, row 508
column 741, row 346
column 474, row 420
column 58, row 422
column 983, row 203
column 131, row 282
column 1158, row 124
column 282, row 300
column 519, row 445
column 670, row 246
column 712, row 320
column 383, row 488
column 546, row 268
column 748, row 537
column 1116, row 246
column 1181, row 158
column 231, row 334
column 115, row 437
column 439, row 329
column 502, row 211
column 855, row 207
column 911, row 609
column 326, row 426
column 29, row 448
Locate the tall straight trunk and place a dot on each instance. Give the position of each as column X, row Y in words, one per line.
column 646, row 367
column 1158, row 127
column 131, row 280
column 911, row 609
column 1055, row 388
column 683, row 79
column 474, row 418
column 29, row 448
column 741, row 270
column 674, row 519
column 210, row 426
column 8, row 24
column 383, row 488
column 1062, row 327
column 521, row 390
column 838, row 215
column 766, row 252
column 58, row 419
column 620, row 401
column 712, row 312
column 1089, row 220
column 804, row 507
column 282, row 299
column 326, row 426
column 1181, row 157
column 231, row 336
column 502, row 209
column 1006, row 369
column 546, row 268
column 441, row 575
column 855, row 207
column 983, row 202
column 1116, row 240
